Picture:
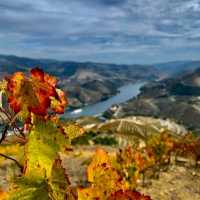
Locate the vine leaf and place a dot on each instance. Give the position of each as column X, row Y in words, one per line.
column 104, row 178
column 3, row 195
column 28, row 189
column 71, row 130
column 44, row 175
column 45, row 142
column 34, row 93
column 101, row 157
column 88, row 193
column 3, row 85
column 128, row 195
column 59, row 182
column 59, row 102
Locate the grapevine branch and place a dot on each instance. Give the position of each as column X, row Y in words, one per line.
column 4, row 133
column 13, row 124
column 10, row 158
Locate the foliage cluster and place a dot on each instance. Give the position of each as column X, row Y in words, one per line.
column 159, row 151
column 36, row 147
column 106, row 181
column 120, row 175
column 36, row 102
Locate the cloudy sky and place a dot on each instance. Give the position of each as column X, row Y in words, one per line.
column 116, row 31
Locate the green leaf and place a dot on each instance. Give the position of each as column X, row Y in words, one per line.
column 45, row 142
column 26, row 189
column 72, row 130
column 59, row 182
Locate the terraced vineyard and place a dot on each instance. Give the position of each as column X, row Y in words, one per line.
column 132, row 130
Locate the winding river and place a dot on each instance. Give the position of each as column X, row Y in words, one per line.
column 125, row 93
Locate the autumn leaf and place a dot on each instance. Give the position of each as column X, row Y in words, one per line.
column 71, row 130
column 28, row 189
column 100, row 157
column 45, row 142
column 3, row 85
column 104, row 178
column 128, row 195
column 35, row 93
column 87, row 193
column 59, row 182
column 59, row 102
column 3, row 195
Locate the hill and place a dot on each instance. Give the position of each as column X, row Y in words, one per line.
column 89, row 82
column 85, row 83
column 175, row 68
column 175, row 98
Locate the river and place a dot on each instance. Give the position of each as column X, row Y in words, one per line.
column 125, row 93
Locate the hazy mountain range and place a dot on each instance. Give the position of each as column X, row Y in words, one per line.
column 90, row 82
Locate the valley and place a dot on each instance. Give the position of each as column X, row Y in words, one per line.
column 146, row 133
column 85, row 83
column 174, row 98
column 172, row 90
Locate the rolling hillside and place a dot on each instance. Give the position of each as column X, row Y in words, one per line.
column 85, row 83
column 88, row 83
column 175, row 98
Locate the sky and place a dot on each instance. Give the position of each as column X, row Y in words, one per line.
column 114, row 31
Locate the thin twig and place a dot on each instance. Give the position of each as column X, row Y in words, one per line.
column 13, row 124
column 10, row 158
column 5, row 131
column 12, row 119
column 15, row 133
column 20, row 131
column 6, row 113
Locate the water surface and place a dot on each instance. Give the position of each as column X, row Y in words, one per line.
column 125, row 93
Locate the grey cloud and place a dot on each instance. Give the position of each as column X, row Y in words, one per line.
column 85, row 28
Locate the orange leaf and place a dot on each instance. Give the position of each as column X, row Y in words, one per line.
column 35, row 93
column 3, row 195
column 100, row 157
column 58, row 104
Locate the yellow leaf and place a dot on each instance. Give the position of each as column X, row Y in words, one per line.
column 100, row 157
column 72, row 130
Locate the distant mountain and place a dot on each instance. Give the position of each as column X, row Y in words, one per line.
column 11, row 64
column 85, row 83
column 89, row 82
column 177, row 67
column 176, row 98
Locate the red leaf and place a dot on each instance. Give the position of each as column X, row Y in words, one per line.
column 35, row 93
column 38, row 74
column 128, row 195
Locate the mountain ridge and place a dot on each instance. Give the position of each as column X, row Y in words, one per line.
column 77, row 78
column 90, row 82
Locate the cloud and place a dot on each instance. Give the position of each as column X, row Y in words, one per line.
column 101, row 30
